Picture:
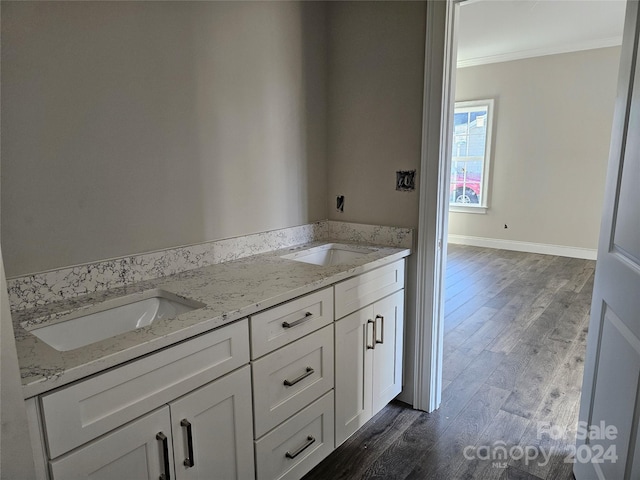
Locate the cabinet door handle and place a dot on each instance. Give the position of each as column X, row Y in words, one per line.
column 381, row 329
column 297, row 322
column 290, row 383
column 366, row 332
column 189, row 461
column 307, row 444
column 165, row 452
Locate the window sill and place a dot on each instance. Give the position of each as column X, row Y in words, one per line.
column 461, row 209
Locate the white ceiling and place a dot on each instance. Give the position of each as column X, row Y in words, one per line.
column 492, row 31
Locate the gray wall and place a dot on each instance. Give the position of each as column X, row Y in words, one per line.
column 552, row 129
column 129, row 127
column 376, row 65
column 134, row 126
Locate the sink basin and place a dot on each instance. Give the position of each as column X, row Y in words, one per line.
column 111, row 318
column 329, row 254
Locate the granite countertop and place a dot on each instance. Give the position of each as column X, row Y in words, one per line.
column 230, row 291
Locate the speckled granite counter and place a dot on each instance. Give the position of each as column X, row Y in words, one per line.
column 230, row 291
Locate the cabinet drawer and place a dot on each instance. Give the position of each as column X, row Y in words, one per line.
column 79, row 413
column 291, row 378
column 278, row 326
column 299, row 444
column 357, row 292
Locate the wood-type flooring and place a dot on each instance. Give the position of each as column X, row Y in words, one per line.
column 514, row 346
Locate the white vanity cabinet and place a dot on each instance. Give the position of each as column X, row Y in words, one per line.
column 264, row 398
column 369, row 346
column 199, row 394
column 293, row 378
column 208, row 430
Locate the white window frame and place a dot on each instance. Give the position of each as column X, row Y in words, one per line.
column 486, row 167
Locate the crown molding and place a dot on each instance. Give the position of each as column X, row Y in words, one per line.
column 541, row 52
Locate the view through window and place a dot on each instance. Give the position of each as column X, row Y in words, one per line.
column 470, row 157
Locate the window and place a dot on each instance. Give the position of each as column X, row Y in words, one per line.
column 470, row 158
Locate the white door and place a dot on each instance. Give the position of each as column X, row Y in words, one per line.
column 141, row 450
column 354, row 354
column 608, row 445
column 213, row 430
column 387, row 355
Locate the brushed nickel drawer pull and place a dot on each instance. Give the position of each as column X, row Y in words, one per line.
column 308, row 443
column 381, row 329
column 189, row 461
column 366, row 334
column 165, row 451
column 297, row 322
column 308, row 372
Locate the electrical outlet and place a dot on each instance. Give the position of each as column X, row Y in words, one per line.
column 340, row 203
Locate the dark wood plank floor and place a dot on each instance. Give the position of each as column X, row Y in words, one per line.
column 515, row 338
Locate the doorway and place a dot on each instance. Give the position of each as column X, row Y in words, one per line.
column 433, row 239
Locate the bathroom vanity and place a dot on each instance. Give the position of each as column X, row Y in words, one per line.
column 275, row 360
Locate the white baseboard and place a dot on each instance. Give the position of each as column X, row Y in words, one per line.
column 544, row 248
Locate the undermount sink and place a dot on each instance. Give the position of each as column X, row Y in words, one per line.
column 329, row 254
column 111, row 318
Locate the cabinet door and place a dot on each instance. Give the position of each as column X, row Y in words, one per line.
column 216, row 421
column 354, row 362
column 141, row 450
column 387, row 355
